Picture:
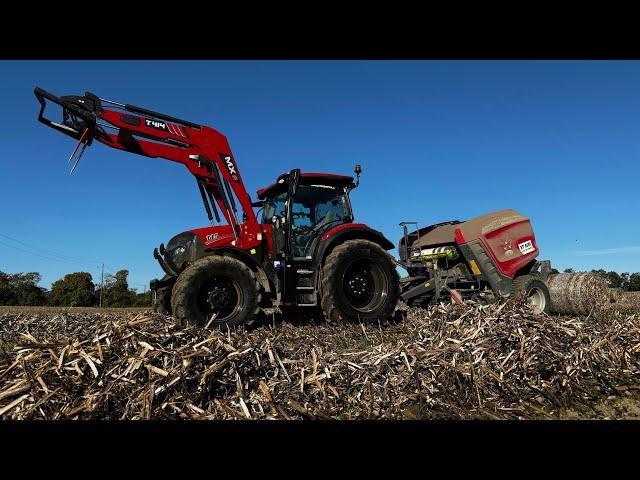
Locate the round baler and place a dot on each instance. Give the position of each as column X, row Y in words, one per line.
column 487, row 258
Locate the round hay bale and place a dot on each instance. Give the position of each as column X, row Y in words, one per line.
column 577, row 293
column 615, row 295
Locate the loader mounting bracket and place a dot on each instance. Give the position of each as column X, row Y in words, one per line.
column 78, row 114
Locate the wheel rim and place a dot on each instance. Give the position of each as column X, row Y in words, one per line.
column 365, row 285
column 537, row 300
column 221, row 296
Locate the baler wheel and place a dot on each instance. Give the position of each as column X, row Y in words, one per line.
column 215, row 285
column 535, row 290
column 359, row 283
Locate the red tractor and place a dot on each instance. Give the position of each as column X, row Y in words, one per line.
column 302, row 250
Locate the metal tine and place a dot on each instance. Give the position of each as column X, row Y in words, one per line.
column 78, row 159
column 78, row 144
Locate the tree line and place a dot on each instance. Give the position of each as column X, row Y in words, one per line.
column 75, row 289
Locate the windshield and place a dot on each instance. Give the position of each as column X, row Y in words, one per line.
column 313, row 207
column 274, row 206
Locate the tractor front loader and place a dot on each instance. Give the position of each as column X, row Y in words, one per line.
column 304, row 251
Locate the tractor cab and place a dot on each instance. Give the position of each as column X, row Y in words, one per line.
column 319, row 202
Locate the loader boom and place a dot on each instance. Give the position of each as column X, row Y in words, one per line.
column 203, row 150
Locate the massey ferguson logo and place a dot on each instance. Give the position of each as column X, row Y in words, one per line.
column 157, row 125
column 230, row 166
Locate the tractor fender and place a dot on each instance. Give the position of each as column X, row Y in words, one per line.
column 247, row 258
column 349, row 231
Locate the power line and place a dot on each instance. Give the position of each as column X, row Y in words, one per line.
column 51, row 252
column 75, row 264
column 62, row 258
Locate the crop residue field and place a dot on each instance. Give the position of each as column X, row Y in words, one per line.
column 447, row 362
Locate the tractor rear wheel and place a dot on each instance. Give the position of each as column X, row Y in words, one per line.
column 359, row 283
column 535, row 291
column 219, row 286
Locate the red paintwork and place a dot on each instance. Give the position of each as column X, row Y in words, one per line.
column 215, row 236
column 222, row 235
column 459, row 236
column 268, row 236
column 328, row 178
column 506, row 239
column 204, row 141
column 339, row 228
column 494, row 243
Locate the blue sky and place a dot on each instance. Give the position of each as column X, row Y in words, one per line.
column 557, row 141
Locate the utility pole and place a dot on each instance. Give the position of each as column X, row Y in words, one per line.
column 101, row 284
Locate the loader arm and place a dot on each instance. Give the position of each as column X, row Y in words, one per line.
column 203, row 150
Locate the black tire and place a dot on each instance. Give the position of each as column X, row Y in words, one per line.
column 377, row 283
column 219, row 285
column 535, row 290
column 162, row 302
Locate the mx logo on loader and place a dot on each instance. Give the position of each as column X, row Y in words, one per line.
column 231, row 167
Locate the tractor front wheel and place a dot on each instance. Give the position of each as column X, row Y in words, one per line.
column 217, row 288
column 359, row 283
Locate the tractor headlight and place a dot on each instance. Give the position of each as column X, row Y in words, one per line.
column 178, row 255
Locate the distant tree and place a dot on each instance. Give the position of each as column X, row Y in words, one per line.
column 554, row 270
column 74, row 290
column 569, row 270
column 7, row 292
column 21, row 289
column 614, row 280
column 116, row 291
column 142, row 299
column 27, row 290
column 634, row 282
column 624, row 281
